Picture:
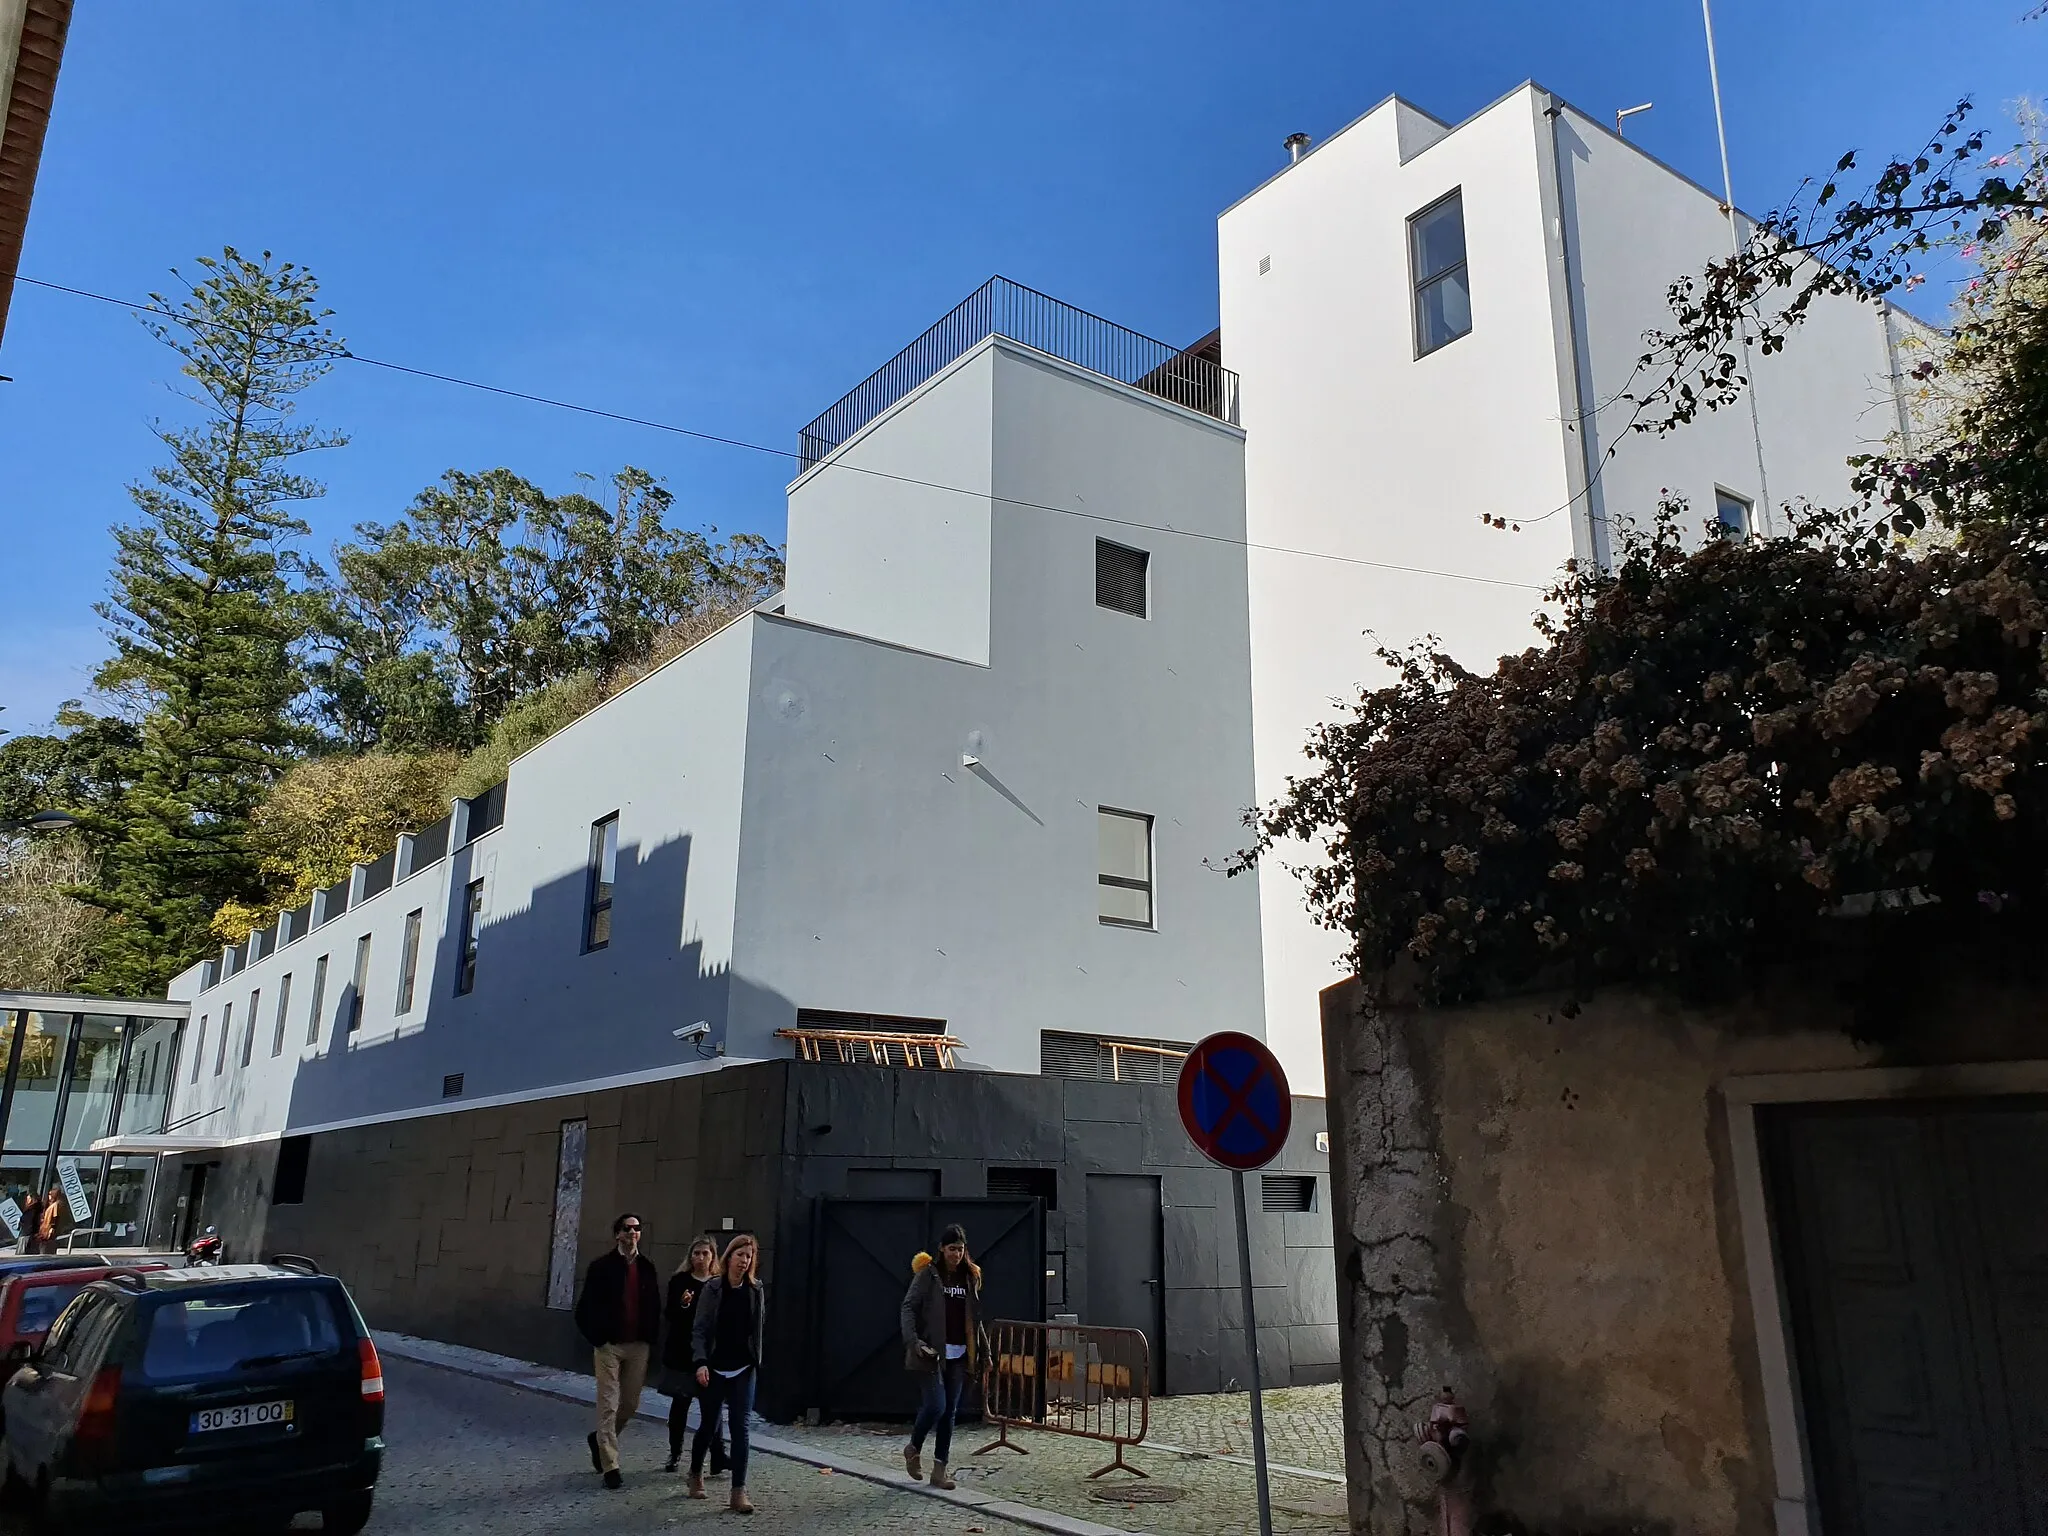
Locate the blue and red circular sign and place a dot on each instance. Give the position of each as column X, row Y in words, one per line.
column 1234, row 1101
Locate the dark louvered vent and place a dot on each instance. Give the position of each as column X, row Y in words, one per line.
column 867, row 1023
column 1025, row 1184
column 1110, row 1058
column 451, row 1086
column 1288, row 1191
column 1120, row 578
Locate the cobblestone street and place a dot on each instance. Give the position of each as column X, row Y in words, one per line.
column 474, row 1456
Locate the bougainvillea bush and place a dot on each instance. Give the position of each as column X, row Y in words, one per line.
column 1715, row 753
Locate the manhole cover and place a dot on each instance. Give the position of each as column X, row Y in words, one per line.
column 1135, row 1493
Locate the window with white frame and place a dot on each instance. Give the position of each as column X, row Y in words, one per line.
column 472, row 922
column 604, row 872
column 1734, row 515
column 356, row 985
column 409, row 960
column 1124, row 868
column 227, row 1027
column 1443, row 294
column 319, row 997
column 284, row 1003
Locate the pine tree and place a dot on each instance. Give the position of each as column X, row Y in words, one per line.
column 203, row 618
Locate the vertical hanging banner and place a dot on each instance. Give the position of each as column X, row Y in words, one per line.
column 1236, row 1107
column 74, row 1192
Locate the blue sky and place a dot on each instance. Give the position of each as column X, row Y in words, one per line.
column 727, row 216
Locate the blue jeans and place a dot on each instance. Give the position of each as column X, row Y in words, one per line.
column 735, row 1396
column 937, row 1405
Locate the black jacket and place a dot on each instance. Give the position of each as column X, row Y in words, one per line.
column 716, row 1298
column 600, row 1310
column 680, row 1320
column 923, row 1317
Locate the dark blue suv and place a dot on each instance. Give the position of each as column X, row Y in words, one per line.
column 238, row 1395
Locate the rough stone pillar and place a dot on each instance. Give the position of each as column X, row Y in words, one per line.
column 1399, row 1318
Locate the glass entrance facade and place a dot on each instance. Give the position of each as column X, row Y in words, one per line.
column 74, row 1073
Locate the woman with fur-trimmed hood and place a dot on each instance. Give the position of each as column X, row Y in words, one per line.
column 941, row 1318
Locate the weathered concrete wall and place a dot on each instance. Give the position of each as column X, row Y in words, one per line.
column 1537, row 1210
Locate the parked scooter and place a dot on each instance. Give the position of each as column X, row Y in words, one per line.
column 205, row 1248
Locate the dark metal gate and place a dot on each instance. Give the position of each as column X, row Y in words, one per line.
column 863, row 1252
column 1916, row 1255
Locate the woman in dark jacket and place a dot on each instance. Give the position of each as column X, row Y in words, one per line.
column 941, row 1319
column 726, row 1345
column 678, row 1369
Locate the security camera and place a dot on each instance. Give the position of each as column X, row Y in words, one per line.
column 697, row 1031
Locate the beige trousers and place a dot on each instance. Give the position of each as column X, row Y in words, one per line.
column 621, row 1372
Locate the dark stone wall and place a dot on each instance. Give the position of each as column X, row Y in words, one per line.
column 441, row 1225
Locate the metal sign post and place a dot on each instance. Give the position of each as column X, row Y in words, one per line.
column 1237, row 1110
column 1251, row 1349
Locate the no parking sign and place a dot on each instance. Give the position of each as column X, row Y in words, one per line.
column 1237, row 1110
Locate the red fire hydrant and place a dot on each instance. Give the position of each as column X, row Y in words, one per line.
column 1445, row 1439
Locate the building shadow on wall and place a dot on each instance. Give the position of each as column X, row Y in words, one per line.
column 543, row 1009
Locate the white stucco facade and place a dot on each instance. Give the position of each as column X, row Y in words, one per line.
column 799, row 824
column 1360, row 449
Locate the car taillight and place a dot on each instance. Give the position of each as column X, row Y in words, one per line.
column 96, row 1420
column 373, row 1372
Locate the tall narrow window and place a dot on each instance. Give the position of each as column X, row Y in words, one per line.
column 409, row 960
column 1120, row 578
column 319, row 998
column 284, row 1003
column 227, row 1027
column 199, row 1047
column 604, row 869
column 1733, row 513
column 356, row 985
column 1124, row 882
column 1443, row 296
column 249, row 1028
column 472, row 921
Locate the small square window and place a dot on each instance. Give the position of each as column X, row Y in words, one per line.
column 1443, row 297
column 1734, row 515
column 1120, row 574
column 604, row 872
column 1124, row 869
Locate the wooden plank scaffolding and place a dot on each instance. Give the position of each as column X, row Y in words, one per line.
column 856, row 1045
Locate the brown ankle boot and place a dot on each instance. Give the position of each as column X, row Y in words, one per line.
column 913, row 1463
column 939, row 1477
column 696, row 1487
column 740, row 1503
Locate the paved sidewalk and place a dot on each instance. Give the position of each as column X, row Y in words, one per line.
column 973, row 1503
column 1197, row 1454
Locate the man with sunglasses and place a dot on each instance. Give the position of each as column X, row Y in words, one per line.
column 619, row 1314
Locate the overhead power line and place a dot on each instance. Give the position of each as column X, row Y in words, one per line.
column 344, row 354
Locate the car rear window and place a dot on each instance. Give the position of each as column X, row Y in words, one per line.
column 209, row 1337
column 40, row 1305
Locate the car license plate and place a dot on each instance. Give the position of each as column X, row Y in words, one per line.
column 242, row 1416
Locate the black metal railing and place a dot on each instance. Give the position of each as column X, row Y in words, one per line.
column 1187, row 376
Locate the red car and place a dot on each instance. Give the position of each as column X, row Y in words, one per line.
column 30, row 1300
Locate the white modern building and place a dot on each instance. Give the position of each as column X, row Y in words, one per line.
column 1438, row 324
column 974, row 774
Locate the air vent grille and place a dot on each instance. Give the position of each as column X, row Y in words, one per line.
column 1120, row 578
column 1288, row 1191
column 451, row 1085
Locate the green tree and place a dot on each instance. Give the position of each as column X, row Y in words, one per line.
column 203, row 619
column 488, row 588
column 83, row 766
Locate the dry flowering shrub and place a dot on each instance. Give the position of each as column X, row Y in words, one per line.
column 1715, row 753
